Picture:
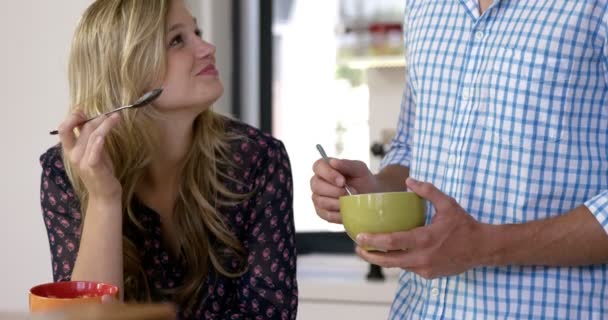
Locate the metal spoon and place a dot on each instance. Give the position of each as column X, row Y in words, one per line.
column 142, row 101
column 324, row 155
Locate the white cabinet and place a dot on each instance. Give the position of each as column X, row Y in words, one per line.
column 335, row 287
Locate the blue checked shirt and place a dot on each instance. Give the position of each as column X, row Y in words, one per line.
column 508, row 113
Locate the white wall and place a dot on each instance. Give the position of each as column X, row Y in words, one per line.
column 33, row 92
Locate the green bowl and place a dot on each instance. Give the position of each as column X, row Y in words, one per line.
column 381, row 212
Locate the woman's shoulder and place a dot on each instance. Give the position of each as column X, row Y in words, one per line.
column 52, row 158
column 253, row 140
column 52, row 166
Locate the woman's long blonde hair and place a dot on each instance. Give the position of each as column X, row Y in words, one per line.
column 117, row 52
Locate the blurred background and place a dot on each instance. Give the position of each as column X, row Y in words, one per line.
column 307, row 71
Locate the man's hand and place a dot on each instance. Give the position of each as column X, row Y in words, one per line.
column 448, row 246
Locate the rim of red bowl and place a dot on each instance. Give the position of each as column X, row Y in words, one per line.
column 101, row 289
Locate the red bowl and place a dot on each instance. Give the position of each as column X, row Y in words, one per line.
column 56, row 295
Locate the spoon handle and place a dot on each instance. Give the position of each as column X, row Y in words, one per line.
column 326, row 159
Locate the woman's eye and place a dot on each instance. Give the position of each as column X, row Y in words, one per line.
column 177, row 40
column 198, row 33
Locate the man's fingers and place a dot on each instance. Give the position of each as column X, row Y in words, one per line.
column 321, row 187
column 391, row 259
column 327, row 173
column 66, row 130
column 428, row 191
column 393, row 241
column 326, row 203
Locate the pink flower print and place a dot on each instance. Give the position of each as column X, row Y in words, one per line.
column 76, row 215
column 276, row 237
column 270, row 312
column 216, row 306
column 268, row 281
column 66, row 267
column 270, row 188
column 47, row 171
column 281, row 246
column 221, row 291
column 274, row 267
column 256, row 231
column 64, row 223
column 285, row 255
column 237, row 158
column 279, row 296
column 281, row 275
column 268, row 212
column 52, row 238
column 59, row 181
column 52, row 200
column 59, row 233
column 274, row 221
column 266, row 254
column 250, row 259
column 262, row 238
column 253, row 282
column 58, row 164
column 45, row 184
column 262, row 144
column 282, row 177
column 61, row 209
column 64, row 196
column 59, row 251
column 70, row 245
column 48, row 223
column 55, row 266
column 271, row 153
column 210, row 289
column 239, row 218
column 255, row 305
column 271, row 168
column 283, row 205
column 245, row 147
column 257, row 271
column 245, row 292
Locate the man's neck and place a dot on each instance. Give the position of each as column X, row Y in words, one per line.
column 483, row 5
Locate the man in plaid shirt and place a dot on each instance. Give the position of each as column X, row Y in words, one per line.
column 504, row 130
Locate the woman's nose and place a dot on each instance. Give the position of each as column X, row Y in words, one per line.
column 204, row 49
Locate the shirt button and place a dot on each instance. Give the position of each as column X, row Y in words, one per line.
column 479, row 35
column 466, row 94
column 434, row 292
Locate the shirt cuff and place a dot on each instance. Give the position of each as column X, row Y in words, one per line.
column 598, row 206
column 398, row 156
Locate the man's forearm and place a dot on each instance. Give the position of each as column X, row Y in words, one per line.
column 573, row 239
column 392, row 178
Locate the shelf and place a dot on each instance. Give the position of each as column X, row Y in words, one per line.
column 370, row 62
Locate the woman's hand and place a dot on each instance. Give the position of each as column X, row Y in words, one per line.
column 327, row 185
column 87, row 154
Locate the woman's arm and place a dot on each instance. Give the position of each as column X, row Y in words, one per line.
column 90, row 252
column 269, row 289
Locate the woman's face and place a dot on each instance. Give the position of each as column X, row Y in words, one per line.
column 191, row 81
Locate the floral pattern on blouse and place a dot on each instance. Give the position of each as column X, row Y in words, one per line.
column 263, row 223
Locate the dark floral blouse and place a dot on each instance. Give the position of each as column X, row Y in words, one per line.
column 263, row 223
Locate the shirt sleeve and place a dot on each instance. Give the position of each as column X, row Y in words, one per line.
column 598, row 206
column 268, row 290
column 61, row 214
column 400, row 151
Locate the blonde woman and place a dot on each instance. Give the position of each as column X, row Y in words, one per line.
column 171, row 201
